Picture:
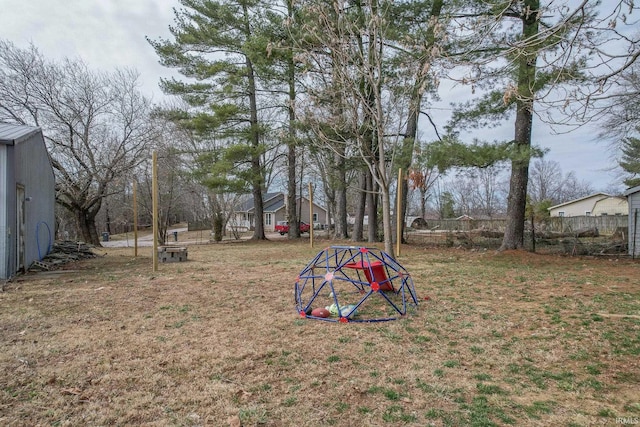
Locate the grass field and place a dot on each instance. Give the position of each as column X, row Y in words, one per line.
column 499, row 339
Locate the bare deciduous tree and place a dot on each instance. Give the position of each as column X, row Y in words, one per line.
column 95, row 124
column 547, row 182
column 363, row 121
column 478, row 192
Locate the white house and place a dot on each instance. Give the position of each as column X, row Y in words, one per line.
column 597, row 204
column 27, row 198
column 274, row 210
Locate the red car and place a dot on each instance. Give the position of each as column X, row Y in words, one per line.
column 282, row 227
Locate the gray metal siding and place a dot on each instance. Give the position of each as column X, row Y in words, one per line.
column 9, row 211
column 4, row 232
column 34, row 172
column 634, row 223
column 24, row 161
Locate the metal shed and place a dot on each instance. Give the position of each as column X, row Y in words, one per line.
column 633, row 199
column 27, row 198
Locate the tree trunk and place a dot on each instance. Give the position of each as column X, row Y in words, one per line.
column 358, row 235
column 517, row 199
column 83, row 227
column 258, row 232
column 292, row 214
column 516, row 202
column 87, row 226
column 408, row 144
column 107, row 217
column 340, row 231
column 372, row 209
column 405, row 161
column 423, row 203
column 330, row 197
column 256, row 164
column 386, row 221
column 218, row 226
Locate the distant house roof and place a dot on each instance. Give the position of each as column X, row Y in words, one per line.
column 632, row 190
column 274, row 204
column 603, row 195
column 267, row 200
column 619, row 198
column 11, row 134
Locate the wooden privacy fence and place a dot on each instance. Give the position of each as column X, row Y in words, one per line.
column 607, row 224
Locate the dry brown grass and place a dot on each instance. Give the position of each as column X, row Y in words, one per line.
column 509, row 338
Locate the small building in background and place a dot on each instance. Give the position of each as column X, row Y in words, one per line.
column 633, row 199
column 597, row 204
column 27, row 198
column 611, row 205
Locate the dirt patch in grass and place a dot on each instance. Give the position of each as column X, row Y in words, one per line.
column 499, row 339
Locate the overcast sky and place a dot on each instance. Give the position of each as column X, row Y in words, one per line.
column 111, row 33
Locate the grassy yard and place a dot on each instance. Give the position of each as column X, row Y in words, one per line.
column 499, row 339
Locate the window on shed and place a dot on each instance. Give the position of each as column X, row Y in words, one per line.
column 561, row 213
column 587, row 213
column 267, row 219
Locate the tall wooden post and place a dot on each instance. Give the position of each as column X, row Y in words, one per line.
column 399, row 215
column 135, row 219
column 154, row 196
column 310, row 215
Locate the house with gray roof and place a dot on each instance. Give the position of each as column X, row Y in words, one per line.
column 27, row 198
column 275, row 210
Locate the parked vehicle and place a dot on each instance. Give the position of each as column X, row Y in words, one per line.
column 282, row 227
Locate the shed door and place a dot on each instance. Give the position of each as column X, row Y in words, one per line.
column 20, row 218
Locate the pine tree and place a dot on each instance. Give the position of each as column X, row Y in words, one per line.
column 630, row 160
column 96, row 125
column 420, row 36
column 214, row 46
column 518, row 52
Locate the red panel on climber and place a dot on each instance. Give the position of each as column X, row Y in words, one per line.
column 374, row 272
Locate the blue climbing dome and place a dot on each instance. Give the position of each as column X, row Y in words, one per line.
column 355, row 284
